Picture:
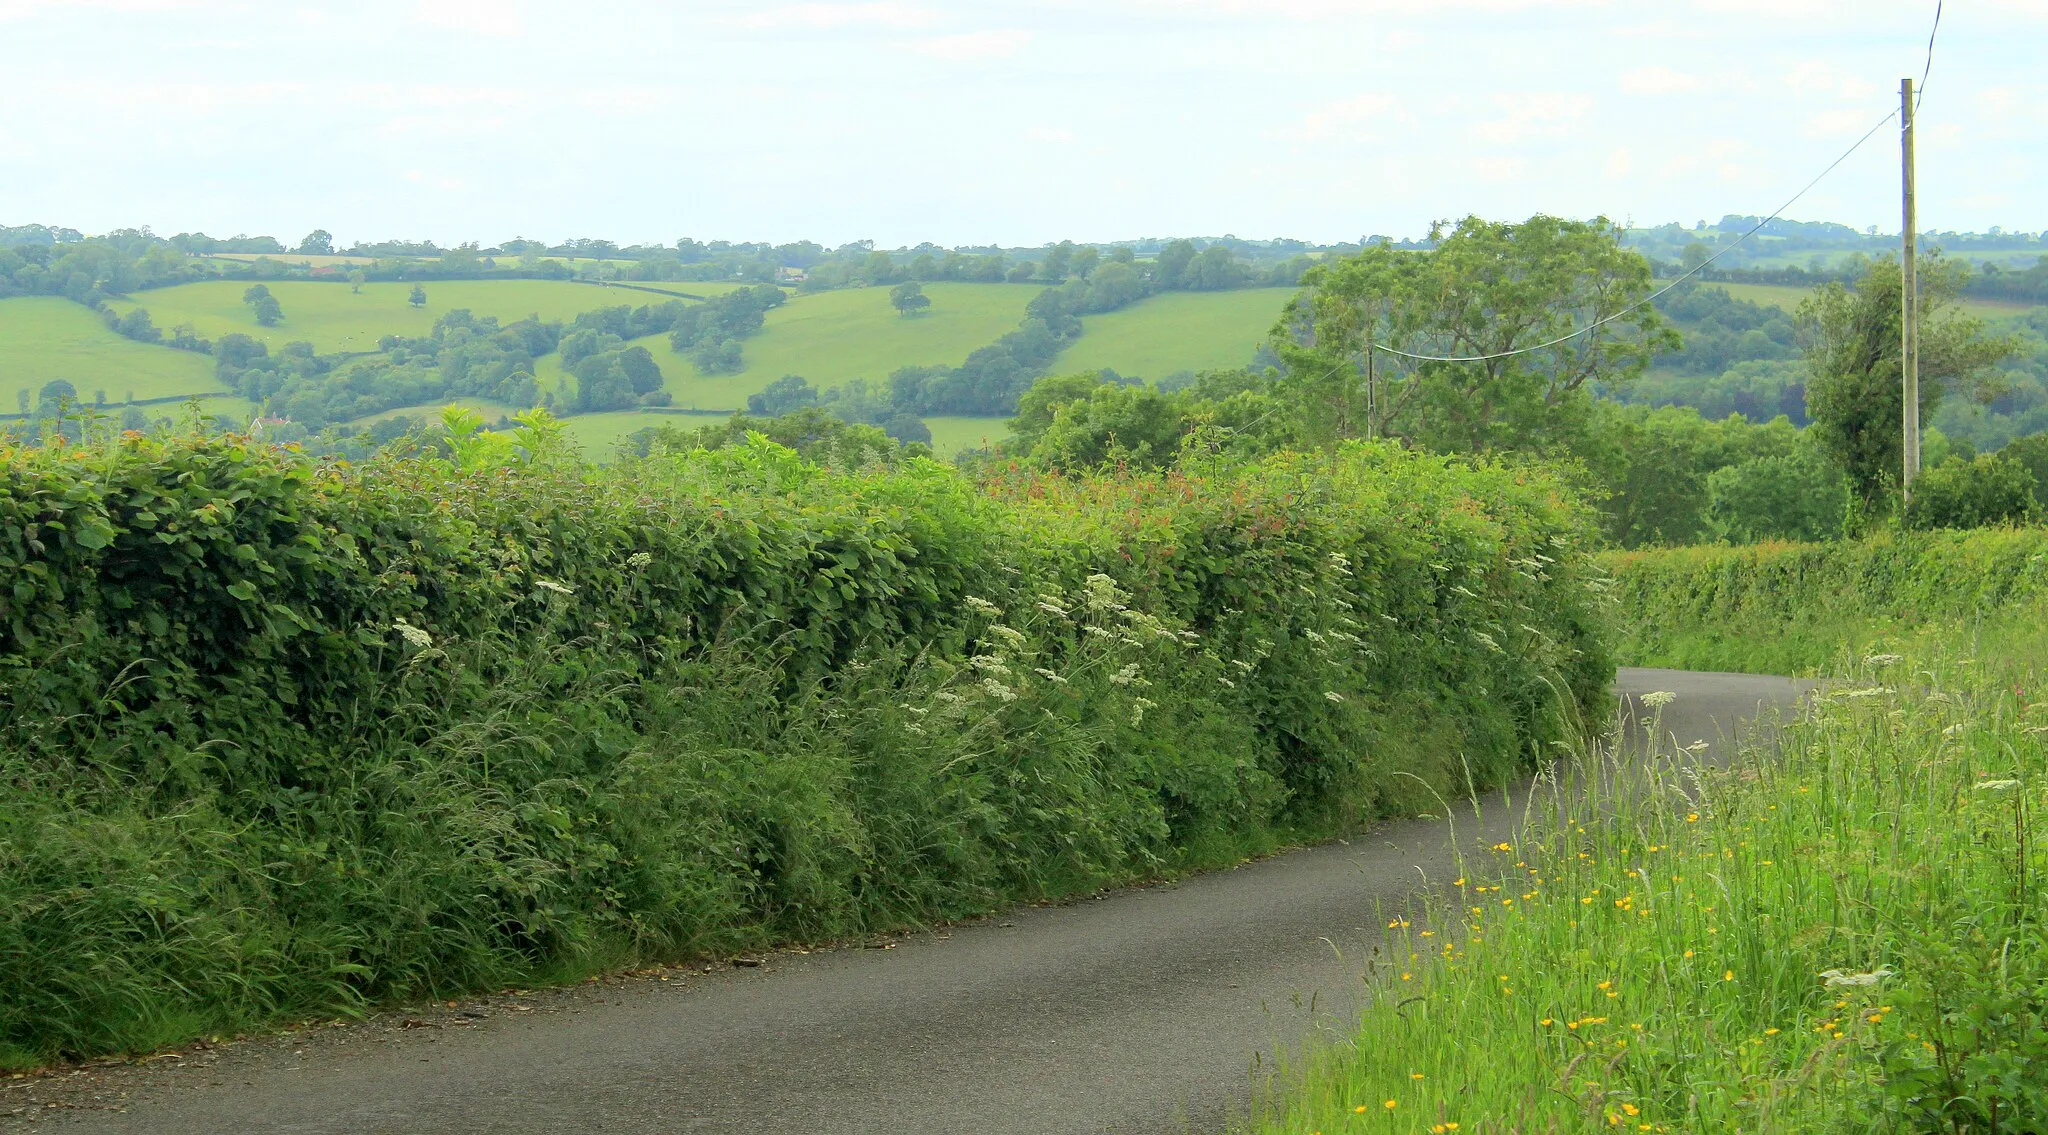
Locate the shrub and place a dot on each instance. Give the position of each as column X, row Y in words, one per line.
column 1791, row 608
column 1973, row 493
column 1795, row 496
column 284, row 738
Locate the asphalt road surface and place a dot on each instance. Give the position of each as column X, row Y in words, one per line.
column 1147, row 1010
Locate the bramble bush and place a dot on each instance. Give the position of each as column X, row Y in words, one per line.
column 283, row 738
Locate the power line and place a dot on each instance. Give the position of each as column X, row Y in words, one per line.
column 1925, row 71
column 1929, row 68
column 1652, row 297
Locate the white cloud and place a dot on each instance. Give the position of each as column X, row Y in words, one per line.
column 1352, row 118
column 501, row 19
column 1656, row 80
column 996, row 43
column 831, row 17
column 1533, row 114
column 1057, row 135
column 1620, row 164
column 1824, row 78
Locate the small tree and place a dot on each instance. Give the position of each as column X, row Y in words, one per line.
column 908, row 298
column 356, row 280
column 418, row 298
column 268, row 311
column 1854, row 393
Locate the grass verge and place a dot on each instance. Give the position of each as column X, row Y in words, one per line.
column 1848, row 936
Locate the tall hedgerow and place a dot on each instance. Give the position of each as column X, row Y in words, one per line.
column 282, row 737
column 1793, row 608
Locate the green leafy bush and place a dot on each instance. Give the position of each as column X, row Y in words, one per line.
column 1794, row 496
column 1793, row 608
column 285, row 738
column 1985, row 490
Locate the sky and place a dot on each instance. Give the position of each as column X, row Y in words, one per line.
column 1012, row 122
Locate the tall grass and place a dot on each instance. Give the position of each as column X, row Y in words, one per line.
column 1845, row 936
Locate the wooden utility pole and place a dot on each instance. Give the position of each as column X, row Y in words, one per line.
column 1909, row 294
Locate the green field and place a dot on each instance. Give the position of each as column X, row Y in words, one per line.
column 952, row 436
column 1177, row 331
column 333, row 318
column 1788, row 296
column 599, row 434
column 831, row 337
column 44, row 338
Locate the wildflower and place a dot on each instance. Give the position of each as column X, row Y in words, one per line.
column 1415, row 1075
column 1390, row 1104
column 1125, row 676
column 413, row 636
column 1996, row 785
column 989, row 664
column 982, row 606
column 1882, row 659
column 1728, row 975
column 639, row 560
column 551, row 585
column 1658, row 699
column 1049, row 676
column 997, row 690
column 1052, row 608
column 1332, row 696
column 1770, row 1032
column 1138, row 708
column 1008, row 636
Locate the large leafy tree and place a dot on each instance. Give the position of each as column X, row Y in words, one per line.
column 1855, row 393
column 1488, row 289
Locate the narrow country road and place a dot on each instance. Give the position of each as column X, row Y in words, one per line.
column 1141, row 1011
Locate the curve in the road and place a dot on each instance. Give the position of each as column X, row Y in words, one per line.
column 1144, row 1011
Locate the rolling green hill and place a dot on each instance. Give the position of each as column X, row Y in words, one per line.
column 44, row 338
column 1787, row 296
column 834, row 336
column 333, row 318
column 1176, row 331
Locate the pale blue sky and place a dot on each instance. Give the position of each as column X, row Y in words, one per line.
column 1011, row 121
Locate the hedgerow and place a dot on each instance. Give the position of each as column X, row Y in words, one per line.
column 284, row 738
column 1793, row 608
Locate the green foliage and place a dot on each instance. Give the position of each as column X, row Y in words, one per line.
column 1972, row 493
column 1794, row 608
column 2031, row 453
column 1798, row 495
column 1854, row 386
column 268, row 312
column 908, row 298
column 285, row 738
column 1842, row 932
column 1487, row 291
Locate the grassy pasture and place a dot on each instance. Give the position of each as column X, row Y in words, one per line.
column 1176, row 331
column 307, row 260
column 952, row 435
column 332, row 318
column 599, row 434
column 835, row 336
column 44, row 338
